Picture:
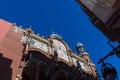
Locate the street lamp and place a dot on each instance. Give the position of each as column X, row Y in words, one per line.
column 108, row 71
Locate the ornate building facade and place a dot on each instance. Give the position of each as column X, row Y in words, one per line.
column 105, row 15
column 27, row 56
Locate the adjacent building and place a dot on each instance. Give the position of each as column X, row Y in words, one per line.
column 27, row 56
column 105, row 15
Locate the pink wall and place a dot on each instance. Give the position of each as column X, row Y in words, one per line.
column 10, row 51
column 4, row 27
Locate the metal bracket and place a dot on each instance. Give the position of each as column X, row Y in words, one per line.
column 114, row 51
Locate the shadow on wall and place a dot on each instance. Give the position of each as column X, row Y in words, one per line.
column 5, row 70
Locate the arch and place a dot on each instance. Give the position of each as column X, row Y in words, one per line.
column 48, row 56
column 40, row 52
column 36, row 66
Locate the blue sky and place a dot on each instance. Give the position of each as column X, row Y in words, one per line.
column 65, row 18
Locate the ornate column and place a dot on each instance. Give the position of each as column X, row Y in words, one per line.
column 26, row 43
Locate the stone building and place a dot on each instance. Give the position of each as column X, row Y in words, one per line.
column 105, row 15
column 27, row 56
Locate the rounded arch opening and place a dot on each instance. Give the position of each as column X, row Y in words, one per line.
column 36, row 66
